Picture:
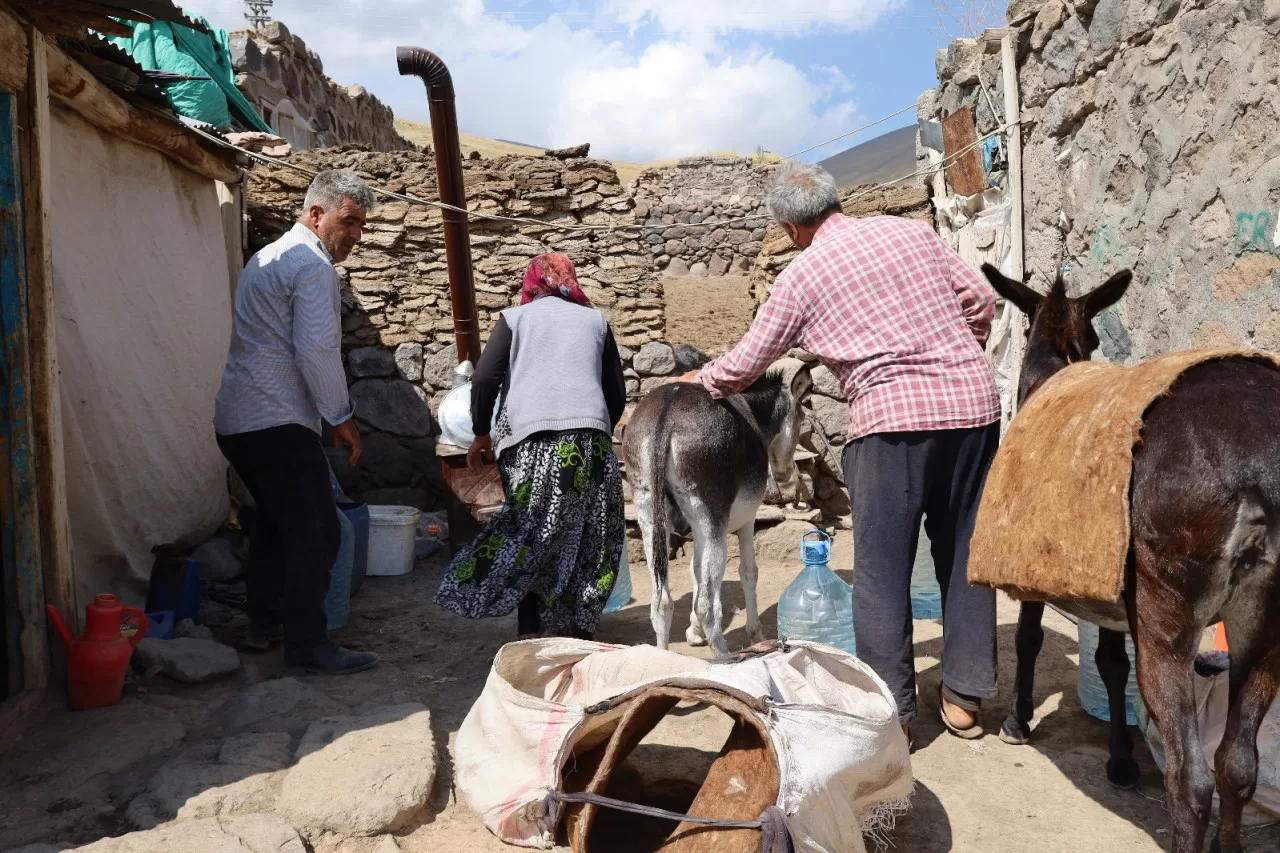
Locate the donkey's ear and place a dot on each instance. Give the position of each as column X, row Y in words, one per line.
column 1104, row 296
column 802, row 384
column 1016, row 292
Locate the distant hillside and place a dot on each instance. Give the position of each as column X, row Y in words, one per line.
column 876, row 161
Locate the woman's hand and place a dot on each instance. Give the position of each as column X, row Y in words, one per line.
column 479, row 449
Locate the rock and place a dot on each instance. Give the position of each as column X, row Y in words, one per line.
column 1062, row 54
column 1051, row 16
column 718, row 265
column 825, row 382
column 190, row 630
column 391, row 405
column 655, row 359
column 1056, row 117
column 740, row 265
column 386, row 459
column 408, row 360
column 387, row 844
column 833, row 415
column 569, row 153
column 1020, row 10
column 438, row 367
column 188, row 660
column 368, row 362
column 361, row 776
column 239, row 775
column 1104, row 30
column 677, row 268
column 251, row 833
column 689, row 357
column 699, row 270
column 279, row 705
column 218, row 561
column 221, row 615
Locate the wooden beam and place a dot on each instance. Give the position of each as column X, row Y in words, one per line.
column 74, row 87
column 25, row 643
column 46, row 400
column 1017, row 260
column 964, row 168
column 13, row 54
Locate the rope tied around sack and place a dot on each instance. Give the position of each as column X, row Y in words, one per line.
column 775, row 835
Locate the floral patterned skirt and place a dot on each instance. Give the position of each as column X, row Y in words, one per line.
column 559, row 536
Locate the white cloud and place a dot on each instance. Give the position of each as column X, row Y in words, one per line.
column 772, row 16
column 576, row 78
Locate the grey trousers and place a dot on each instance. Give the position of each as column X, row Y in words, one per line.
column 894, row 480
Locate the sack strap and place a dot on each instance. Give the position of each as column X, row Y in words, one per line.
column 775, row 835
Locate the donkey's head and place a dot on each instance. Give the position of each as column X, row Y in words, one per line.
column 1061, row 329
column 777, row 401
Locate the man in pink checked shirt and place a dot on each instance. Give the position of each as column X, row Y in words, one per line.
column 901, row 321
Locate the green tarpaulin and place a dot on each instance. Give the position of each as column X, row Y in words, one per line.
column 162, row 46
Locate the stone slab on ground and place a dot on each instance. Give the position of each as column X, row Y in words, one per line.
column 255, row 833
column 362, row 775
column 190, row 660
column 279, row 705
column 238, row 775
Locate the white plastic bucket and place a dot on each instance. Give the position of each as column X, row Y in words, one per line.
column 391, row 535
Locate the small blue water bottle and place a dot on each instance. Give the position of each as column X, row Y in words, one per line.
column 817, row 606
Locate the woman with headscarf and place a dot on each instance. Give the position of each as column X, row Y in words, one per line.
column 552, row 551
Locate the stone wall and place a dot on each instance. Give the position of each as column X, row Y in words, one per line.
column 1152, row 134
column 704, row 191
column 273, row 65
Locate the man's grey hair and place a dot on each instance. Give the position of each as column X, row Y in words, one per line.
column 331, row 186
column 801, row 193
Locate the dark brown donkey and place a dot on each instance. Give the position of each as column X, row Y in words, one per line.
column 1205, row 513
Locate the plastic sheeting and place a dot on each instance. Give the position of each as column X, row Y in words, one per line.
column 143, row 319
column 842, row 756
column 161, row 46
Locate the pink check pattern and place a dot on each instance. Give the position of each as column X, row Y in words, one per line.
column 894, row 312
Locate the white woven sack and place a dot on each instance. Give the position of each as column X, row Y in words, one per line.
column 843, row 759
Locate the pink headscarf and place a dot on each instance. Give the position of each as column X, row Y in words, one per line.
column 551, row 274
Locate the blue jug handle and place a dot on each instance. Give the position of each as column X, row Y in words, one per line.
column 821, row 533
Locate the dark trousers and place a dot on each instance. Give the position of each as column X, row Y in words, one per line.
column 295, row 535
column 894, row 480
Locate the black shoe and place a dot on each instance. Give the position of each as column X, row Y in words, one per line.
column 329, row 658
column 261, row 639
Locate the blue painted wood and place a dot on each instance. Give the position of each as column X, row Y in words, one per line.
column 19, row 525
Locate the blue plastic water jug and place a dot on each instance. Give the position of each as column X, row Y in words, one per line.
column 926, row 595
column 621, row 595
column 817, row 606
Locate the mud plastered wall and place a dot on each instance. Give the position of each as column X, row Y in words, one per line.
column 1151, row 130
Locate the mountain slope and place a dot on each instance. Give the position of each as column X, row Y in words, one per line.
column 876, row 161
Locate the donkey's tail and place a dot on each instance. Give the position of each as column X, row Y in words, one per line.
column 660, row 548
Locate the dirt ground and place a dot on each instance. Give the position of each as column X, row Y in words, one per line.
column 708, row 312
column 971, row 796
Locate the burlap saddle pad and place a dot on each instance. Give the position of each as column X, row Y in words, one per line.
column 1054, row 520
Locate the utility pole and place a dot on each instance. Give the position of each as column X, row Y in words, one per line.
column 258, row 12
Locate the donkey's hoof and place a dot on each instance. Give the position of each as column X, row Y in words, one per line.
column 1123, row 773
column 694, row 636
column 1014, row 731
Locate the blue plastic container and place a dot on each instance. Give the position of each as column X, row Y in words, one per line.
column 161, row 625
column 621, row 595
column 179, row 592
column 926, row 595
column 817, row 606
column 358, row 515
column 1089, row 686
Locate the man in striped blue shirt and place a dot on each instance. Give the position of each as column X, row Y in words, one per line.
column 283, row 377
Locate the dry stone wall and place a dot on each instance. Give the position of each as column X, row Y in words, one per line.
column 722, row 198
column 273, row 65
column 1151, row 140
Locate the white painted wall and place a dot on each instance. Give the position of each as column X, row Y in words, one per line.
column 143, row 304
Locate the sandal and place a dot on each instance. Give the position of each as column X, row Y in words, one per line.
column 948, row 696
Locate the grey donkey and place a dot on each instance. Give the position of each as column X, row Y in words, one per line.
column 695, row 461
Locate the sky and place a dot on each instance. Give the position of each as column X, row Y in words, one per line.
column 639, row 79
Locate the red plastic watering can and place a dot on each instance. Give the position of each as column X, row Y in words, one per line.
column 98, row 659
